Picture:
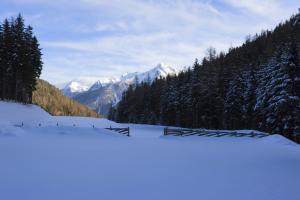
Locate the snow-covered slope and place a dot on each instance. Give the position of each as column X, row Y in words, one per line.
column 106, row 92
column 161, row 70
column 15, row 112
column 84, row 84
column 14, row 115
column 102, row 83
column 67, row 162
column 78, row 85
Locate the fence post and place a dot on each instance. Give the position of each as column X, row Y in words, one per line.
column 128, row 132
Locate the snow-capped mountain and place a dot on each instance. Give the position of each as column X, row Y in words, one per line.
column 83, row 84
column 102, row 83
column 161, row 70
column 100, row 94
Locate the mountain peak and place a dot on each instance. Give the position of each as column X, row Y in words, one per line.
column 85, row 83
column 108, row 91
column 160, row 70
column 78, row 85
column 165, row 69
column 102, row 82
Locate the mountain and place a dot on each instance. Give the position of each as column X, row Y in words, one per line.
column 104, row 93
column 53, row 101
column 161, row 70
column 77, row 86
column 103, row 82
column 83, row 84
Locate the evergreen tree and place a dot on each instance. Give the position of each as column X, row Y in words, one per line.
column 2, row 65
column 234, row 104
column 278, row 101
column 20, row 61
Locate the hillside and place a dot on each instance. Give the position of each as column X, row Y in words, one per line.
column 53, row 101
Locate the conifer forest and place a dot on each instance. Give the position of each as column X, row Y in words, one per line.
column 254, row 86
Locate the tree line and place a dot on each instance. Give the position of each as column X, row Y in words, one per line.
column 20, row 60
column 253, row 86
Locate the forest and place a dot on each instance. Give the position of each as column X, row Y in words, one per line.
column 20, row 60
column 54, row 102
column 253, row 86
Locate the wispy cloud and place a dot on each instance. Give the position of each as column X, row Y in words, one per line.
column 110, row 37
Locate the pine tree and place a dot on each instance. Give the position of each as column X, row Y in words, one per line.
column 250, row 98
column 19, row 56
column 7, row 55
column 278, row 101
column 234, row 104
column 2, row 65
column 20, row 61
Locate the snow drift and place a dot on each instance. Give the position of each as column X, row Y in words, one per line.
column 66, row 162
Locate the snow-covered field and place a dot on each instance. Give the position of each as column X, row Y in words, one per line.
column 42, row 161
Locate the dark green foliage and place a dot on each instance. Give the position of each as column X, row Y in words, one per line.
column 254, row 86
column 20, row 61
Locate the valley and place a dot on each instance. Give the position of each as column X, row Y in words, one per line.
column 86, row 113
column 47, row 161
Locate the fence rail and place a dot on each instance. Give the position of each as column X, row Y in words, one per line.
column 210, row 133
column 124, row 131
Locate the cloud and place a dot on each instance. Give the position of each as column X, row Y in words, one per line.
column 110, row 37
column 110, row 27
column 272, row 9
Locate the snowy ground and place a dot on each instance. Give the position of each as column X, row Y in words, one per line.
column 65, row 162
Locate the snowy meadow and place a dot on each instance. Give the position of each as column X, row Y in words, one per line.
column 43, row 160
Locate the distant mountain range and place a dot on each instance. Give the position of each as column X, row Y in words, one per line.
column 100, row 94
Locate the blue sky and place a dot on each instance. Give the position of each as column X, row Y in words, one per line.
column 100, row 38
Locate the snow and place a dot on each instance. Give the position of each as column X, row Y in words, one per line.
column 101, row 94
column 161, row 70
column 15, row 112
column 80, row 84
column 66, row 162
column 86, row 83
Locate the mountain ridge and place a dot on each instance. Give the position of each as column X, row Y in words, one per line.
column 104, row 93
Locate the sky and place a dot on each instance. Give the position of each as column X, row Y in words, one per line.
column 105, row 38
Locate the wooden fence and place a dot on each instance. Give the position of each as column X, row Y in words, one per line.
column 211, row 133
column 124, row 131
